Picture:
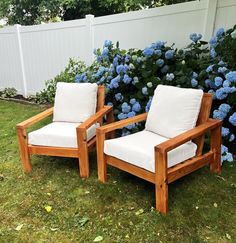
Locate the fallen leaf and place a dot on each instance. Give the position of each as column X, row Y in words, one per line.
column 54, row 229
column 98, row 239
column 140, row 211
column 48, row 208
column 83, row 221
column 228, row 236
column 49, row 194
column 215, row 205
column 197, row 207
column 87, row 192
column 19, row 227
column 220, row 177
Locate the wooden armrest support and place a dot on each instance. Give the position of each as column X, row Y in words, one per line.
column 187, row 136
column 81, row 129
column 119, row 124
column 35, row 119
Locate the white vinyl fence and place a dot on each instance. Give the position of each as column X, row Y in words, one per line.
column 29, row 55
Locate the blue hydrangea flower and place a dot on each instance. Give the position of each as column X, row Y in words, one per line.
column 145, row 90
column 105, row 52
column 107, row 43
column 211, row 91
column 232, row 119
column 115, row 61
column 160, row 62
column 226, row 83
column 149, row 84
column 120, row 69
column 227, row 157
column 213, row 42
column 194, row 82
column 115, row 82
column 207, row 82
column 136, row 107
column 157, row 52
column 221, row 63
column 170, row 76
column 127, row 57
column 194, row 75
column 224, row 108
column 122, row 116
column 125, row 107
column 148, row 52
column 148, row 105
column 132, row 101
column 213, row 53
column 224, row 149
column 225, row 131
column 220, row 32
column 169, row 54
column 165, row 69
column 110, row 103
column 231, row 76
column 221, row 93
column 222, row 70
column 195, row 37
column 135, row 80
column 219, row 115
column 127, row 79
column 119, row 97
column 218, row 81
column 159, row 44
column 131, row 114
column 210, row 68
column 131, row 126
column 232, row 137
column 81, row 77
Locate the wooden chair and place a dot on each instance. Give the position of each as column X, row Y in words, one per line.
column 82, row 144
column 162, row 174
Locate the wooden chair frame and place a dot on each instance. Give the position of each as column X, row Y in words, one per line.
column 83, row 145
column 164, row 175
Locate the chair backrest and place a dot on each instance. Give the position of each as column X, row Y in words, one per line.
column 203, row 116
column 75, row 102
column 173, row 110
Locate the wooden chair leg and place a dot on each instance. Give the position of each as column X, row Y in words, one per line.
column 84, row 160
column 101, row 158
column 215, row 164
column 23, row 146
column 161, row 185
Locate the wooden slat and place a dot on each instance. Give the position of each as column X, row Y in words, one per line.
column 132, row 169
column 36, row 118
column 122, row 123
column 54, row 151
column 204, row 115
column 189, row 135
column 188, row 166
column 91, row 142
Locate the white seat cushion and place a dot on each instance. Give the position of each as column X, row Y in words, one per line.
column 138, row 149
column 59, row 134
column 173, row 110
column 75, row 102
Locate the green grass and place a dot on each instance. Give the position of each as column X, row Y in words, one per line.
column 85, row 209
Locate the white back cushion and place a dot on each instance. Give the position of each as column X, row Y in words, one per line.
column 75, row 102
column 173, row 110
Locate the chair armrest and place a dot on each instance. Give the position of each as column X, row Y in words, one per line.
column 82, row 128
column 187, row 136
column 34, row 119
column 119, row 124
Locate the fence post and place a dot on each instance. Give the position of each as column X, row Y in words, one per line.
column 210, row 19
column 90, row 38
column 22, row 64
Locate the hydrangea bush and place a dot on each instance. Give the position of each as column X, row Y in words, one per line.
column 131, row 76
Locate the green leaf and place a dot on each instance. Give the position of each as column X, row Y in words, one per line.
column 83, row 221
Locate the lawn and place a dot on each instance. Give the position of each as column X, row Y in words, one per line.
column 202, row 205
